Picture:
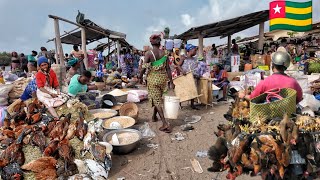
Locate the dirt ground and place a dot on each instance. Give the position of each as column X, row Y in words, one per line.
column 171, row 160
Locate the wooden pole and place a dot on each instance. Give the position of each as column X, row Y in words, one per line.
column 109, row 44
column 200, row 37
column 58, row 41
column 261, row 36
column 229, row 44
column 56, row 49
column 79, row 25
column 118, row 52
column 84, row 47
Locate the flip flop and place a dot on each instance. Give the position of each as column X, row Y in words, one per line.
column 168, row 130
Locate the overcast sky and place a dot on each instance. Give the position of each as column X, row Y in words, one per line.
column 25, row 25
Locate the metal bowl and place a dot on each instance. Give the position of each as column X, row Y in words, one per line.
column 122, row 149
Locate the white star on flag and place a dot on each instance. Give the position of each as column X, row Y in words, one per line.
column 277, row 9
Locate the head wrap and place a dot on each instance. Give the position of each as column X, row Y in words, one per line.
column 42, row 60
column 73, row 61
column 155, row 39
column 189, row 47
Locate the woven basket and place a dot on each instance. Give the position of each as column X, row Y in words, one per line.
column 273, row 109
column 129, row 109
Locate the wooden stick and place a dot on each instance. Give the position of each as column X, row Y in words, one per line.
column 84, row 47
column 58, row 41
column 81, row 26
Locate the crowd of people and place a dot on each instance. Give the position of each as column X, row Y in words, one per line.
column 156, row 68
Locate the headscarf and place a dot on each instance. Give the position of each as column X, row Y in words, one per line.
column 73, row 61
column 42, row 60
column 155, row 39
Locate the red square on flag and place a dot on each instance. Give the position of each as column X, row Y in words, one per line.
column 277, row 9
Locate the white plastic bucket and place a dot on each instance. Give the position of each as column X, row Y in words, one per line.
column 171, row 107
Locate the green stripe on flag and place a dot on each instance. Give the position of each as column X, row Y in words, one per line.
column 299, row 4
column 299, row 16
column 290, row 27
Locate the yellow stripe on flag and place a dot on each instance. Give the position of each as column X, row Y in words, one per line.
column 298, row 10
column 290, row 22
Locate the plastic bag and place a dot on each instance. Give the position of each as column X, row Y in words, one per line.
column 137, row 95
column 146, row 131
column 310, row 101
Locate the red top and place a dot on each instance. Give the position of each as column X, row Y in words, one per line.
column 277, row 81
column 41, row 79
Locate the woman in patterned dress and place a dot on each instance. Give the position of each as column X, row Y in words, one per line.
column 157, row 64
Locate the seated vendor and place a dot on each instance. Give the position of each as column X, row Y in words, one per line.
column 48, row 91
column 280, row 62
column 80, row 84
column 75, row 69
column 220, row 80
column 115, row 77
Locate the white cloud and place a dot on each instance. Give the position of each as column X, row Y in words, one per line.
column 158, row 27
column 48, row 30
column 187, row 20
column 21, row 39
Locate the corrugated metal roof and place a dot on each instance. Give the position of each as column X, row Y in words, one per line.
column 226, row 27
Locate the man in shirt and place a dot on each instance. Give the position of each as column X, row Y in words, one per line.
column 280, row 62
column 235, row 47
column 79, row 84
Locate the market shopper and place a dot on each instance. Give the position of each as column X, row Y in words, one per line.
column 32, row 62
column 159, row 71
column 190, row 64
column 15, row 61
column 280, row 62
column 24, row 62
column 80, row 84
column 235, row 47
column 48, row 87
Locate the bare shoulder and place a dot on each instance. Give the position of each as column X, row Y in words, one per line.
column 162, row 53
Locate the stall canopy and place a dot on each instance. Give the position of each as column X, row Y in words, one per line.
column 226, row 27
column 122, row 42
column 94, row 32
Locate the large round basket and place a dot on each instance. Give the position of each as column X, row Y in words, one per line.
column 274, row 109
column 129, row 109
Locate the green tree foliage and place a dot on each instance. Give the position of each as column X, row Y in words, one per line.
column 166, row 32
column 5, row 58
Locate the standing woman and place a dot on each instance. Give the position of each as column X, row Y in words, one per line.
column 159, row 71
column 32, row 62
column 15, row 61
